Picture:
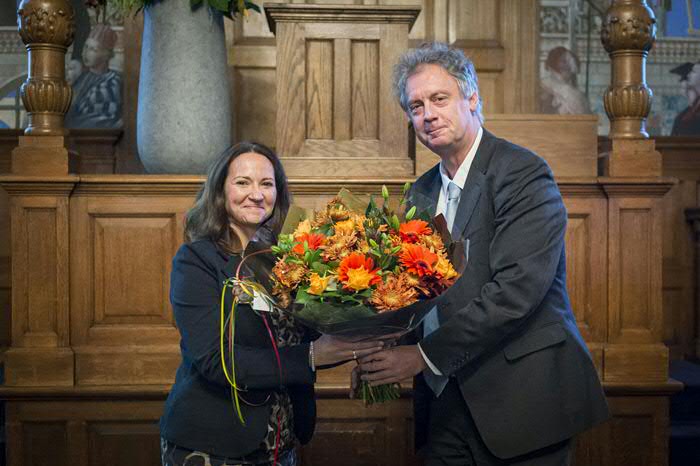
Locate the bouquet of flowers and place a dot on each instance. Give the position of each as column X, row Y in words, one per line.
column 361, row 271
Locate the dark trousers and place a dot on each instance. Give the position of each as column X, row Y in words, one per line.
column 453, row 439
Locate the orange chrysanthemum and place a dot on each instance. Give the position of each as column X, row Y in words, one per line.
column 433, row 242
column 288, row 274
column 357, row 272
column 418, row 259
column 337, row 247
column 393, row 294
column 314, row 241
column 412, row 230
column 335, row 211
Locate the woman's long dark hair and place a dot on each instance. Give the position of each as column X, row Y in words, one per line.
column 208, row 218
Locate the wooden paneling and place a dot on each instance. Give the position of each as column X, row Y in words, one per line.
column 120, row 443
column 566, row 142
column 364, row 98
column 320, row 87
column 681, row 159
column 123, row 244
column 40, row 320
column 381, row 434
column 586, row 264
column 44, row 443
column 101, row 427
column 346, row 114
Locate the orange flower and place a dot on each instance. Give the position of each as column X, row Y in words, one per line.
column 393, row 294
column 412, row 230
column 418, row 259
column 289, row 274
column 357, row 272
column 337, row 247
column 314, row 240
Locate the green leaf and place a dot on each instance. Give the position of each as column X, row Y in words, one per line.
column 373, row 243
column 220, row 5
column 385, row 192
column 252, row 6
column 406, row 187
column 395, row 222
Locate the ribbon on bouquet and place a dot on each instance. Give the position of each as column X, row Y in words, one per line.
column 251, row 290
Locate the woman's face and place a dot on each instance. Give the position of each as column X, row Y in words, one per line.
column 250, row 191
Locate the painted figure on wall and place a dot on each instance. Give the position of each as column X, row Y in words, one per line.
column 559, row 92
column 97, row 99
column 687, row 123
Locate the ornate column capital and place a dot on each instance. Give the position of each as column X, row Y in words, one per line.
column 628, row 25
column 46, row 22
column 628, row 33
column 47, row 28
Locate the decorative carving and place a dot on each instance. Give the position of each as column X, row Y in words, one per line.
column 46, row 22
column 47, row 28
column 554, row 20
column 629, row 25
column 628, row 101
column 629, row 31
column 48, row 95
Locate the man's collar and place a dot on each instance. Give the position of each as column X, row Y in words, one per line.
column 460, row 177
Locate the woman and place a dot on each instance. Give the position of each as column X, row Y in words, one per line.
column 241, row 207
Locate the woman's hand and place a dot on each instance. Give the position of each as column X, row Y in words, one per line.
column 330, row 350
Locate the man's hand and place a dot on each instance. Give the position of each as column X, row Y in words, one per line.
column 392, row 365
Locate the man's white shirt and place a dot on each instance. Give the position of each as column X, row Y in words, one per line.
column 460, row 179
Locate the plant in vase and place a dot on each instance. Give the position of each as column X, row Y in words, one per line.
column 184, row 112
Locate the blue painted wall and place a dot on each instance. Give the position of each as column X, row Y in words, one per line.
column 677, row 18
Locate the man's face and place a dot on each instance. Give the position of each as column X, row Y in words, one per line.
column 443, row 119
column 694, row 78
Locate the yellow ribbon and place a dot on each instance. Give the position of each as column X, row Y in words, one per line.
column 249, row 289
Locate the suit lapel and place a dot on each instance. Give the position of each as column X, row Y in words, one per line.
column 426, row 192
column 473, row 186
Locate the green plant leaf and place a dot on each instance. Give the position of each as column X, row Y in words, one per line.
column 252, row 6
column 220, row 5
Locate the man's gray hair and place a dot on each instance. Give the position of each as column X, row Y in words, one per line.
column 449, row 58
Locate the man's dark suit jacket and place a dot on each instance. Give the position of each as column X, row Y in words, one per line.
column 507, row 332
column 199, row 412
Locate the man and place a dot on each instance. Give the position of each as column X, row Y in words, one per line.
column 687, row 122
column 97, row 91
column 517, row 380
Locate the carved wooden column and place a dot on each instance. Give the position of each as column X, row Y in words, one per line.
column 635, row 359
column 693, row 216
column 39, row 188
column 47, row 28
column 628, row 33
column 336, row 115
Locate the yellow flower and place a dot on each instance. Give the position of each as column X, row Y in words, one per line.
column 318, row 284
column 303, row 227
column 359, row 279
column 345, row 227
column 444, row 268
